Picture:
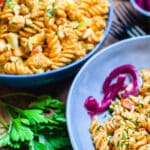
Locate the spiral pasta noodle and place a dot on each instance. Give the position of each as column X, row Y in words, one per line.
column 129, row 126
column 60, row 31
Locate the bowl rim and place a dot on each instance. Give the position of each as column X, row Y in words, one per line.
column 138, row 8
column 73, row 64
column 68, row 104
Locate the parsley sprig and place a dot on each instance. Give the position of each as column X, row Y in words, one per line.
column 40, row 126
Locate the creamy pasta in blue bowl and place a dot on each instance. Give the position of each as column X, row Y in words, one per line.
column 44, row 41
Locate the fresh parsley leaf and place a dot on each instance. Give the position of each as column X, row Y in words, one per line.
column 47, row 102
column 15, row 145
column 41, row 126
column 44, row 141
column 35, row 145
column 59, row 117
column 5, row 140
column 34, row 116
column 58, row 142
column 25, row 121
column 20, row 132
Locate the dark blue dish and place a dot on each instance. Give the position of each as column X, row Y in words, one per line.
column 54, row 75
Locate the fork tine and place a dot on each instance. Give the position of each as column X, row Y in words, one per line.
column 119, row 16
column 114, row 33
column 130, row 15
column 117, row 31
column 128, row 20
column 125, row 13
column 135, row 31
column 116, row 27
column 140, row 30
column 131, row 34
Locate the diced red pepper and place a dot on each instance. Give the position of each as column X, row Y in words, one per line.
column 36, row 50
column 127, row 104
column 2, row 3
column 141, row 129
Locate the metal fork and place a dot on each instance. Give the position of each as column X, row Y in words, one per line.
column 128, row 22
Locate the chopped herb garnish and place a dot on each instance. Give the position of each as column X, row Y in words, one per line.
column 105, row 116
column 113, row 119
column 138, row 122
column 124, row 120
column 133, row 131
column 50, row 12
column 119, row 144
column 9, row 3
column 131, row 120
column 110, row 139
column 98, row 127
column 116, row 103
column 127, row 145
column 142, row 105
column 124, row 137
column 111, row 110
column 148, row 111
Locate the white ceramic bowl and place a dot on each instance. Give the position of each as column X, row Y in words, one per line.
column 89, row 80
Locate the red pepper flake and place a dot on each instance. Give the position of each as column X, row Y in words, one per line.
column 127, row 104
column 2, row 3
column 36, row 50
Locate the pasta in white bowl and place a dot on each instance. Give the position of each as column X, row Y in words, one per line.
column 90, row 82
column 129, row 126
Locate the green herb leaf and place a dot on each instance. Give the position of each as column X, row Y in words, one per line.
column 5, row 140
column 44, row 141
column 20, row 132
column 35, row 116
column 25, row 121
column 59, row 117
column 59, row 142
column 46, row 101
column 111, row 110
column 41, row 126
column 34, row 145
column 15, row 145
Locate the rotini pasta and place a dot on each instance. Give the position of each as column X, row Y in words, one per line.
column 129, row 126
column 58, row 32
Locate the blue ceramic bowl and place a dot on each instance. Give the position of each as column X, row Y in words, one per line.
column 139, row 9
column 54, row 75
column 89, row 81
